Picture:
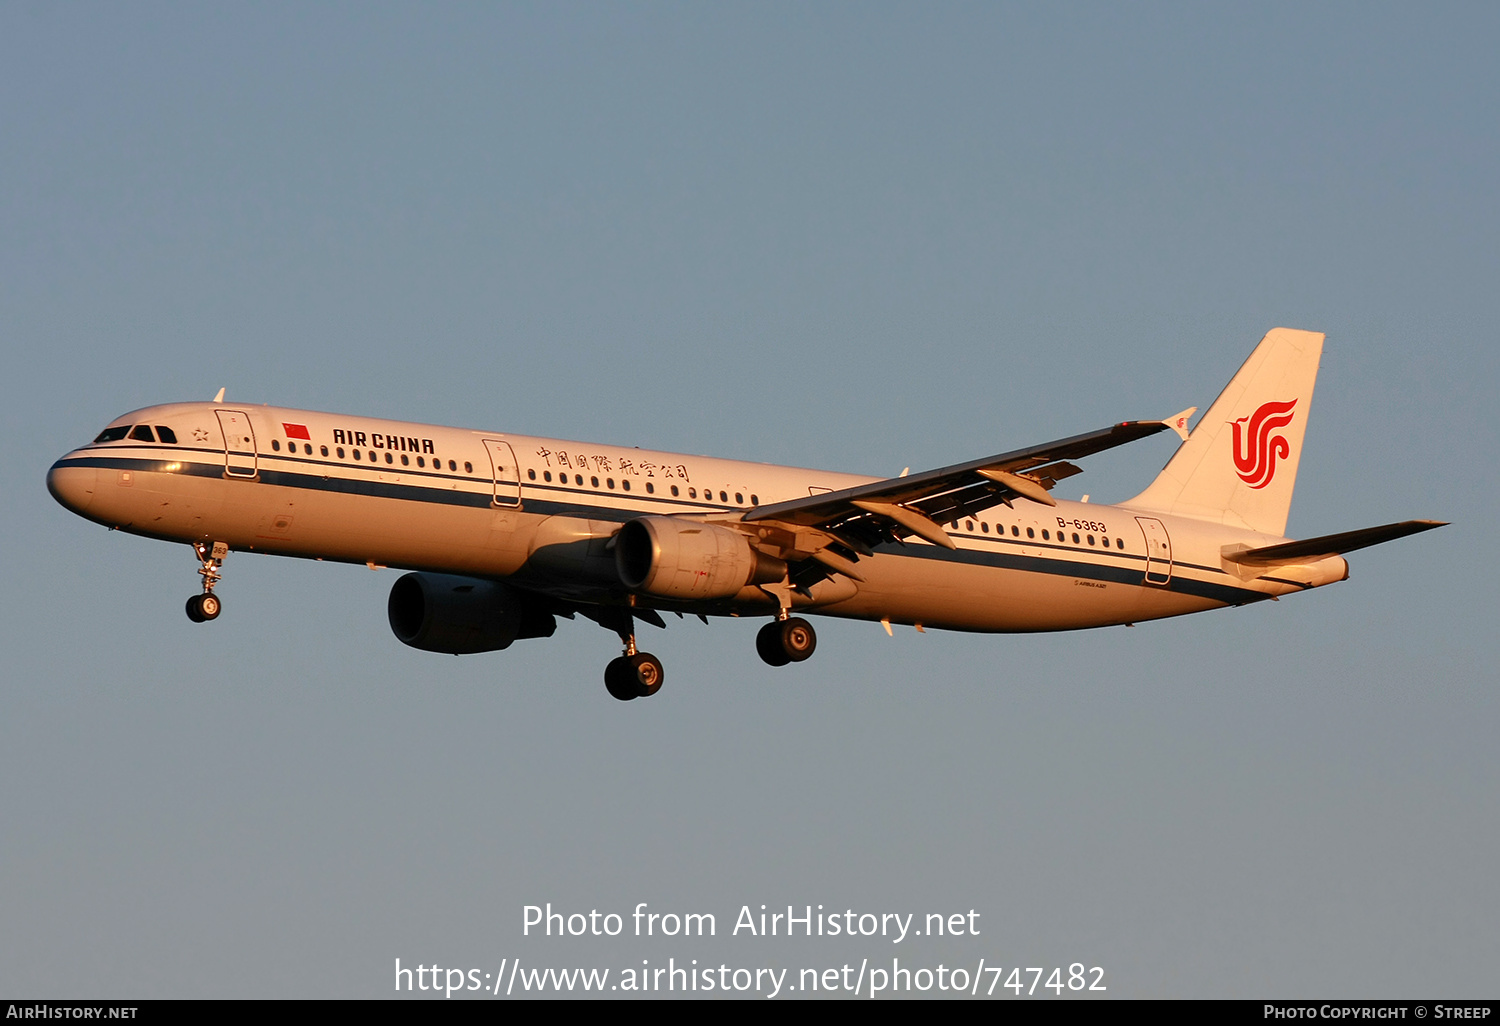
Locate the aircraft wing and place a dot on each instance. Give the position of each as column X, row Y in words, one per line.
column 856, row 519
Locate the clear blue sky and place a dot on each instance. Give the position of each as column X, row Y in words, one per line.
column 860, row 237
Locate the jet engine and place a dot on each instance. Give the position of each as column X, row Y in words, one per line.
column 685, row 559
column 462, row 615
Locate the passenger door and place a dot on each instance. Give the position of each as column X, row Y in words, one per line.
column 506, row 471
column 1158, row 551
column 239, row 443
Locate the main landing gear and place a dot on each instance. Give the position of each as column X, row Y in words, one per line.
column 204, row 607
column 634, row 674
column 789, row 639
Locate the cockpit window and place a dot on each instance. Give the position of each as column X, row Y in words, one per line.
column 113, row 434
column 142, row 433
column 166, row 434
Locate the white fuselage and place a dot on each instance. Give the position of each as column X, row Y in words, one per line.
column 539, row 512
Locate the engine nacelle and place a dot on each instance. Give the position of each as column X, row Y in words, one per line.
column 462, row 615
column 685, row 559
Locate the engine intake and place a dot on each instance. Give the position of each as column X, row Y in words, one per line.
column 685, row 559
column 462, row 615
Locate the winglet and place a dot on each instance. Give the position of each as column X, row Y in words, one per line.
column 220, row 397
column 1178, row 422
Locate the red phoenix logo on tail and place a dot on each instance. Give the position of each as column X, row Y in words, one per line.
column 1256, row 450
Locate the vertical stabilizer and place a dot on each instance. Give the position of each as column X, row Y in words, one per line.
column 1239, row 465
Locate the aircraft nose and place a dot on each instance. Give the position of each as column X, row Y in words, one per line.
column 72, row 486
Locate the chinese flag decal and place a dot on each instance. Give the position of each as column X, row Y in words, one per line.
column 297, row 431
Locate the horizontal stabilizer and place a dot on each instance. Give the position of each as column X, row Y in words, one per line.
column 1314, row 549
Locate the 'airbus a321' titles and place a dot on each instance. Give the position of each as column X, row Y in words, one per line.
column 505, row 533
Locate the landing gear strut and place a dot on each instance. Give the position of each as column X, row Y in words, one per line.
column 206, row 606
column 788, row 640
column 634, row 674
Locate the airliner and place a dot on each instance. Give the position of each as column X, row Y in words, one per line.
column 504, row 533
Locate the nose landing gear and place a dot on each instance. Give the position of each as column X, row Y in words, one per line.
column 206, row 606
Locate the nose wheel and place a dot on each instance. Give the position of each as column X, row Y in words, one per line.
column 201, row 608
column 204, row 607
column 786, row 641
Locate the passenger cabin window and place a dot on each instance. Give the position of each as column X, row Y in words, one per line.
column 142, row 433
column 674, row 489
column 166, row 434
column 324, row 450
